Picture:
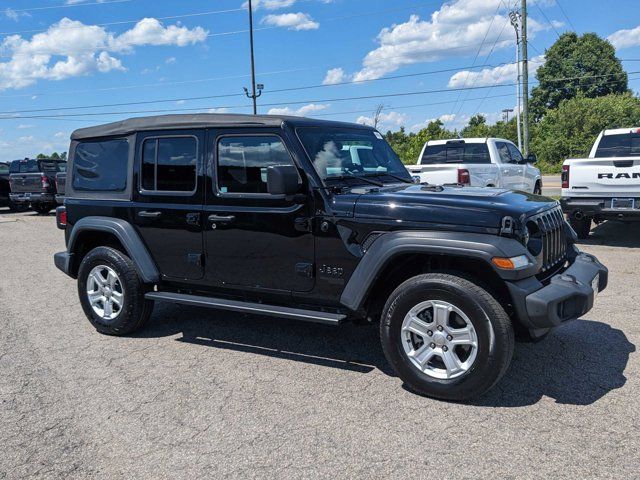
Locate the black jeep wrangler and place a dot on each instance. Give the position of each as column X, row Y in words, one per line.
column 317, row 221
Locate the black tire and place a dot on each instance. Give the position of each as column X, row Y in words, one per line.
column 17, row 207
column 582, row 227
column 486, row 316
column 135, row 310
column 42, row 208
column 537, row 190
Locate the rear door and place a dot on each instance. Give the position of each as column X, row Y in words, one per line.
column 510, row 172
column 253, row 239
column 517, row 159
column 169, row 197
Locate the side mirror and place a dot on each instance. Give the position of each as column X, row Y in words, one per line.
column 532, row 158
column 283, row 180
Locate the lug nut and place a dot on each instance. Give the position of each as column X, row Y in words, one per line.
column 440, row 328
column 429, row 332
column 432, row 345
column 449, row 337
column 444, row 348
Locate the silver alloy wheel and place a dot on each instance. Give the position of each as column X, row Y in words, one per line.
column 105, row 292
column 439, row 339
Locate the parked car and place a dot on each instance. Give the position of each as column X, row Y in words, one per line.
column 61, row 180
column 32, row 182
column 5, row 189
column 606, row 185
column 270, row 215
column 479, row 162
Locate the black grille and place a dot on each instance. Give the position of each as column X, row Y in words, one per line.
column 552, row 235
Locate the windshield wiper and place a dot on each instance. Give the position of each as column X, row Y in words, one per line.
column 360, row 177
column 378, row 174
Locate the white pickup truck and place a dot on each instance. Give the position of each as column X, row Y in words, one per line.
column 605, row 186
column 478, row 162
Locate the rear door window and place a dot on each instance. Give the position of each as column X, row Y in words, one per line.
column 625, row 145
column 169, row 164
column 503, row 152
column 456, row 153
column 101, row 166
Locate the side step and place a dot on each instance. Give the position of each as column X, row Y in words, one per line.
column 247, row 307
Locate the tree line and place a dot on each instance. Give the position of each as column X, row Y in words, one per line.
column 582, row 89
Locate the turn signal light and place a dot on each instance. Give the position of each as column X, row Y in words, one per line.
column 510, row 263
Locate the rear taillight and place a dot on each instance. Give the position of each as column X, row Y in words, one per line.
column 565, row 176
column 44, row 180
column 464, row 178
column 61, row 217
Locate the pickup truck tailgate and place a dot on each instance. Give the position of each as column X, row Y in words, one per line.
column 438, row 174
column 604, row 177
column 26, row 182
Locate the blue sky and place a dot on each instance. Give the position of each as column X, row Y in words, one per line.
column 57, row 54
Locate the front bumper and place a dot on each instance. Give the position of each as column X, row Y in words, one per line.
column 598, row 208
column 567, row 296
column 32, row 197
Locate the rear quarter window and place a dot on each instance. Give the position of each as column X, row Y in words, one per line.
column 101, row 166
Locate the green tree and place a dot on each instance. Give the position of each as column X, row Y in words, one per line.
column 477, row 127
column 570, row 130
column 574, row 56
column 409, row 146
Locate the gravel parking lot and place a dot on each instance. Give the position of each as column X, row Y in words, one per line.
column 204, row 393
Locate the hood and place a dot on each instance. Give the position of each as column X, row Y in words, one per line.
column 469, row 206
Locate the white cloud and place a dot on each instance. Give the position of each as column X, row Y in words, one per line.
column 446, row 119
column 292, row 21
column 335, row 75
column 170, row 60
column 625, row 38
column 218, row 110
column 456, row 29
column 70, row 48
column 300, row 112
column 61, row 135
column 24, row 126
column 15, row 15
column 385, row 120
column 493, row 76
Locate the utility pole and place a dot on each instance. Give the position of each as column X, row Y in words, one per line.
column 506, row 113
column 515, row 22
column 254, row 96
column 525, row 81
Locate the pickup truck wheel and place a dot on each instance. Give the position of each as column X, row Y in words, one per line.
column 17, row 207
column 582, row 227
column 537, row 190
column 446, row 337
column 42, row 209
column 111, row 293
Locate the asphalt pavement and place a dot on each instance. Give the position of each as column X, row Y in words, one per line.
column 551, row 185
column 206, row 394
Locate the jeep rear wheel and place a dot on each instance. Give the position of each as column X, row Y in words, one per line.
column 111, row 293
column 446, row 337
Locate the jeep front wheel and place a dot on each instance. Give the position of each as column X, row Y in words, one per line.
column 111, row 293
column 446, row 337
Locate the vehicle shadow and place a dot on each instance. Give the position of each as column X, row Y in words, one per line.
column 614, row 234
column 577, row 364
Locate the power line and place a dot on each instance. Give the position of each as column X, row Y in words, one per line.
column 548, row 21
column 68, row 5
column 565, row 15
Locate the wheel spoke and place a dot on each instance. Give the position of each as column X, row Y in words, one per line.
column 417, row 326
column 95, row 297
column 423, row 354
column 116, row 297
column 111, row 279
column 99, row 279
column 451, row 362
column 108, row 308
column 462, row 336
column 441, row 314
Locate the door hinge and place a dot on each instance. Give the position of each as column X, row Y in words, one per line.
column 304, row 270
column 195, row 259
column 303, row 224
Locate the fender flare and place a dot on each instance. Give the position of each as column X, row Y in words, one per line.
column 459, row 244
column 127, row 235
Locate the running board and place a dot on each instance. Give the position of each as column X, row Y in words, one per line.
column 247, row 307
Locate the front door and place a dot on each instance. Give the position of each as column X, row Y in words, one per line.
column 169, row 195
column 254, row 239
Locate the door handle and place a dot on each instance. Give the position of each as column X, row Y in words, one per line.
column 145, row 214
column 222, row 218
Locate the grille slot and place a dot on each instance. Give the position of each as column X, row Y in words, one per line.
column 553, row 237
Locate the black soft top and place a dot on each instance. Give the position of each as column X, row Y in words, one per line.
column 199, row 120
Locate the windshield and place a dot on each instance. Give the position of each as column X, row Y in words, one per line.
column 337, row 153
column 456, row 152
